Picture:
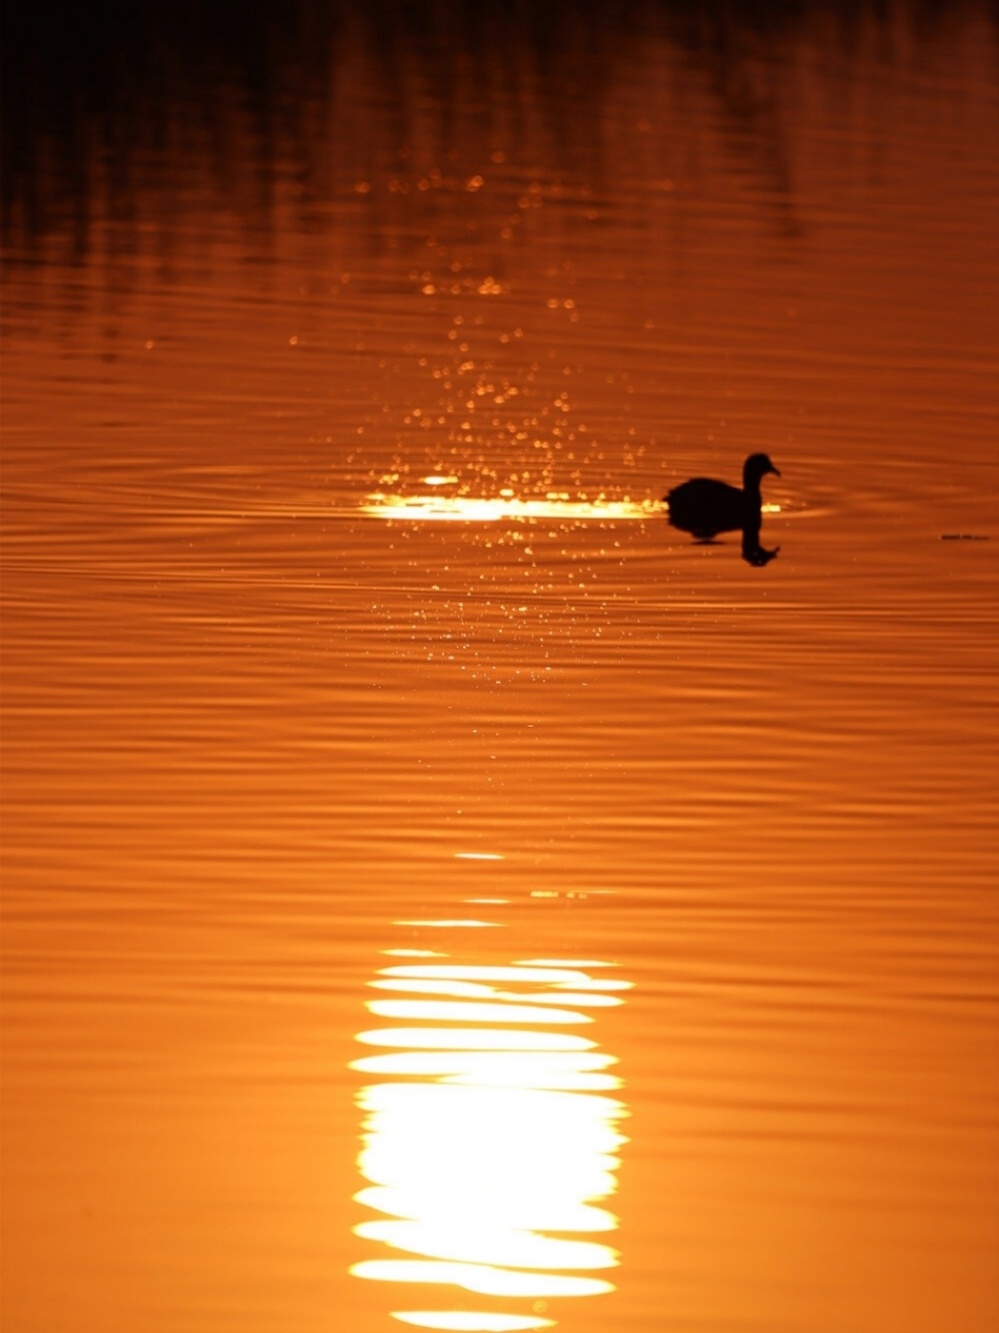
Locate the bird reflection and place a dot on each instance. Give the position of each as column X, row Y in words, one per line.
column 705, row 507
column 752, row 552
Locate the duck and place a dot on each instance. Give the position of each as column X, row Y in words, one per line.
column 704, row 507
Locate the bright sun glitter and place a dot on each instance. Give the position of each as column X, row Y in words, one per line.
column 440, row 508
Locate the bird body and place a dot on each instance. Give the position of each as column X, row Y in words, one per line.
column 704, row 507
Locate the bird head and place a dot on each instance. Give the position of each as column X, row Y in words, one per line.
column 757, row 466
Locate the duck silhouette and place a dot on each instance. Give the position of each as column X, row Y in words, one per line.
column 704, row 507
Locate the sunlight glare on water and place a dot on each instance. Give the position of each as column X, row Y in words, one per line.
column 466, row 509
column 482, row 1152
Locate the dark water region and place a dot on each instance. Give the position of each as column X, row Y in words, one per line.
column 95, row 102
column 439, row 892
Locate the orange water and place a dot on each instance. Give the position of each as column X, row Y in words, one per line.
column 437, row 892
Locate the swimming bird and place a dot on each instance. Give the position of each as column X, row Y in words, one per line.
column 704, row 507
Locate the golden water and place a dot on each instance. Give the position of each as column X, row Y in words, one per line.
column 437, row 892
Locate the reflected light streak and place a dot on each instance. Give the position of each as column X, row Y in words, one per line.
column 476, row 990
column 486, row 1132
column 456, row 924
column 563, row 962
column 413, row 953
column 487, row 1244
column 553, row 1215
column 569, row 1072
column 545, row 976
column 482, row 1039
column 480, row 1278
column 469, row 924
column 454, row 1321
column 604, row 984
column 467, row 990
column 467, row 509
column 459, row 1011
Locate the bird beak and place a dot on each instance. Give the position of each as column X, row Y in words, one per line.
column 774, row 470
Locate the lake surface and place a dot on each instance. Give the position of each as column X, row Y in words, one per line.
column 438, row 893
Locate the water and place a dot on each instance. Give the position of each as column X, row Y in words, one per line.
column 437, row 892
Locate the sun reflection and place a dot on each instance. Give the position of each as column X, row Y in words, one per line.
column 477, row 990
column 460, row 1011
column 440, row 507
column 572, row 1071
column 471, row 1323
column 470, row 923
column 485, row 1133
column 473, row 1038
column 413, row 953
column 481, row 1278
